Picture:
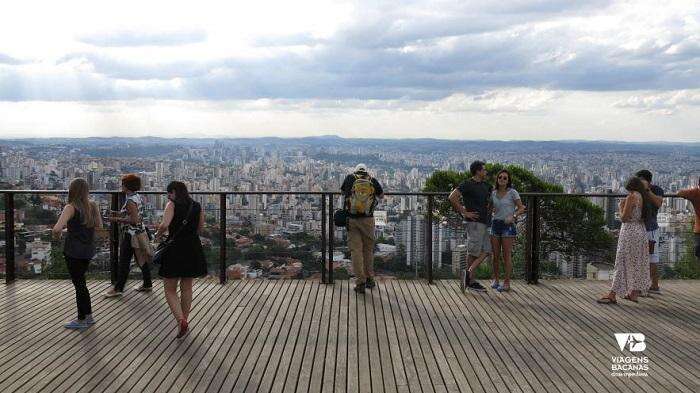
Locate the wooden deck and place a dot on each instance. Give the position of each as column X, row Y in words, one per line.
column 302, row 336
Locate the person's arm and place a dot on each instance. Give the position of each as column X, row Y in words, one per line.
column 685, row 194
column 66, row 215
column 656, row 200
column 168, row 215
column 454, row 198
column 520, row 209
column 379, row 191
column 628, row 206
column 201, row 221
column 98, row 217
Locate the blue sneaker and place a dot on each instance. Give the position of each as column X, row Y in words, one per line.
column 89, row 320
column 76, row 325
column 494, row 284
column 502, row 288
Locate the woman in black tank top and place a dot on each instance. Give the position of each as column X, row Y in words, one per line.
column 82, row 217
column 183, row 260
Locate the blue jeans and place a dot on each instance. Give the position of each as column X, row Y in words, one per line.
column 499, row 228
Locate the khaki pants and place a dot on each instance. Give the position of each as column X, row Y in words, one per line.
column 361, row 243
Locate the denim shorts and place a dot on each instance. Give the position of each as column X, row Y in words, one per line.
column 499, row 228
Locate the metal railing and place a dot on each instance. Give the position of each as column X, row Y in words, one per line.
column 532, row 227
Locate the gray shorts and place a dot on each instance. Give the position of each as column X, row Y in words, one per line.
column 478, row 239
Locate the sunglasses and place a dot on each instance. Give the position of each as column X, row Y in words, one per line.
column 503, row 177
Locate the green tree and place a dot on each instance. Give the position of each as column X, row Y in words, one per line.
column 571, row 226
column 689, row 266
column 56, row 268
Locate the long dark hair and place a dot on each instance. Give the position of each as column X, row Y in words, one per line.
column 635, row 184
column 181, row 193
column 510, row 179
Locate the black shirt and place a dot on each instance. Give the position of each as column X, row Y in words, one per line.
column 475, row 196
column 346, row 188
column 651, row 222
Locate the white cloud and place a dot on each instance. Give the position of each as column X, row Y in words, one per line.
column 436, row 61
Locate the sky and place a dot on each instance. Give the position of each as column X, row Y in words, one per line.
column 496, row 70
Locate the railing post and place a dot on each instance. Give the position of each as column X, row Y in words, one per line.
column 532, row 257
column 429, row 245
column 323, row 239
column 331, row 238
column 114, row 241
column 9, row 238
column 222, row 239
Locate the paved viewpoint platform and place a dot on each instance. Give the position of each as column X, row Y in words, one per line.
column 303, row 336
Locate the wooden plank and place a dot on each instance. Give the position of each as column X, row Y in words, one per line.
column 557, row 326
column 363, row 362
column 382, row 341
column 528, row 345
column 341, row 359
column 101, row 346
column 201, row 379
column 374, row 350
column 141, row 371
column 434, row 318
column 330, row 363
column 427, row 383
column 280, row 373
column 430, row 343
column 307, row 361
column 44, row 349
column 396, row 365
column 463, row 319
column 188, row 356
column 616, row 319
column 289, row 384
column 318, row 366
column 274, row 346
column 250, row 338
column 206, row 359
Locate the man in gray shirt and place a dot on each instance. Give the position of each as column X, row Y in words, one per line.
column 474, row 207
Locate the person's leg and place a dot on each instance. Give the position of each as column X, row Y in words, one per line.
column 496, row 247
column 697, row 246
column 126, row 252
column 186, row 297
column 368, row 247
column 507, row 244
column 146, row 273
column 653, row 259
column 356, row 255
column 170, row 286
column 482, row 245
column 76, row 269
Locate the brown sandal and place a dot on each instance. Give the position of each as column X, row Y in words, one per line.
column 607, row 300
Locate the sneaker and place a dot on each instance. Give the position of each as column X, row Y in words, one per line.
column 141, row 288
column 113, row 293
column 89, row 320
column 360, row 288
column 76, row 324
column 369, row 283
column 494, row 284
column 503, row 288
column 475, row 286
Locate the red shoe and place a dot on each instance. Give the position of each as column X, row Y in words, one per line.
column 184, row 329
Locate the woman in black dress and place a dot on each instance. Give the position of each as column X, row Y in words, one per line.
column 183, row 260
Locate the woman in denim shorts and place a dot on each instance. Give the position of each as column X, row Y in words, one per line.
column 507, row 206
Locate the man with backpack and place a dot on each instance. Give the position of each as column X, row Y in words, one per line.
column 361, row 192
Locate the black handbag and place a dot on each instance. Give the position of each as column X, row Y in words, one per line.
column 162, row 248
column 340, row 218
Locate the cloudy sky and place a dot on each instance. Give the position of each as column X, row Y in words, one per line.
column 507, row 69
